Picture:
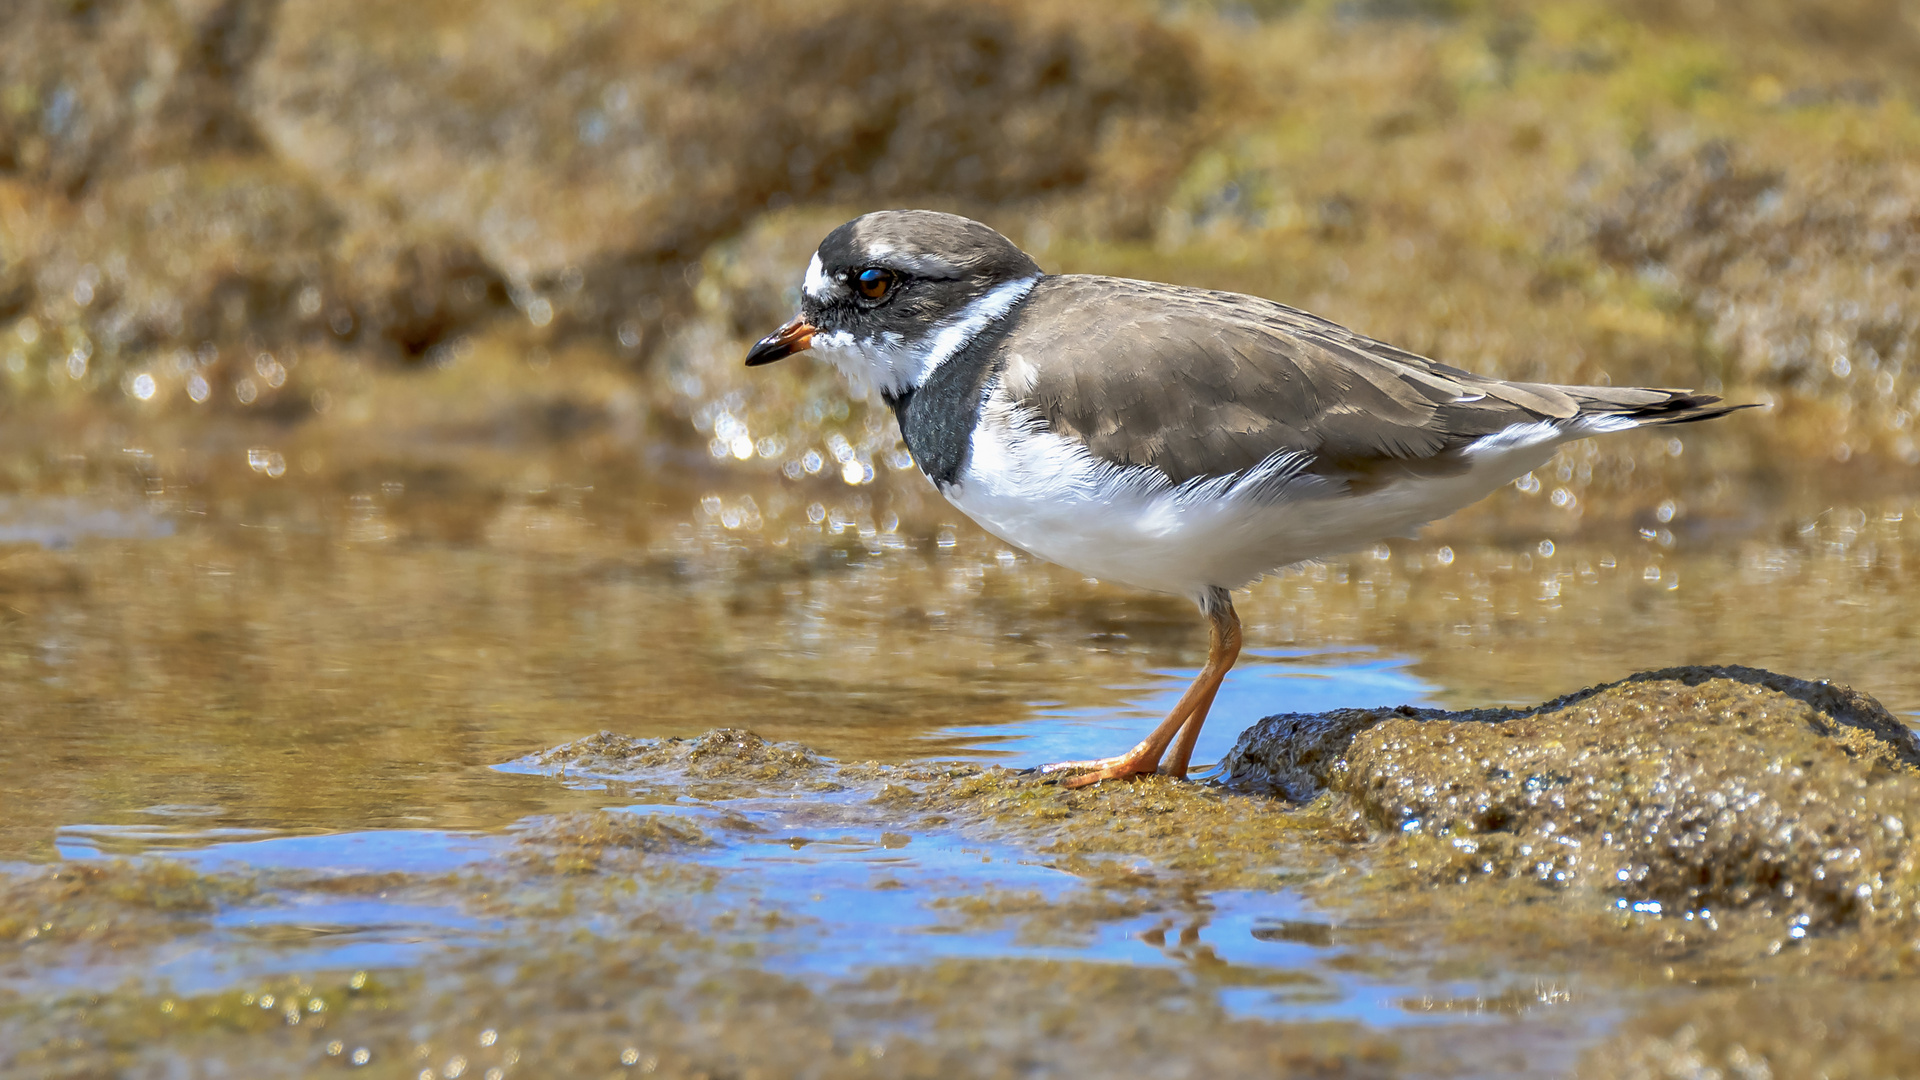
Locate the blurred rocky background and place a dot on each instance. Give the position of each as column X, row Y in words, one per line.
column 335, row 222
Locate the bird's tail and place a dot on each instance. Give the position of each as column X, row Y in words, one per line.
column 1643, row 406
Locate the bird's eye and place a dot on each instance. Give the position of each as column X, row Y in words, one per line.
column 874, row 281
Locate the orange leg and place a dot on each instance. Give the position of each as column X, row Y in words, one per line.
column 1186, row 717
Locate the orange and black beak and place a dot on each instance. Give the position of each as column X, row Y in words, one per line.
column 796, row 336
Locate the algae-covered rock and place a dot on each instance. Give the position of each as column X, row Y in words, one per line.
column 1802, row 1028
column 590, row 151
column 722, row 754
column 187, row 186
column 190, row 273
column 1807, row 273
column 98, row 88
column 1685, row 789
column 1295, row 755
column 583, row 842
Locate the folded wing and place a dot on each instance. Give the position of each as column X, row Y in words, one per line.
column 1203, row 384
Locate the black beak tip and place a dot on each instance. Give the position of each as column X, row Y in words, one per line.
column 768, row 349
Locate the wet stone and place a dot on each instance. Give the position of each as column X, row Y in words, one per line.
column 1823, row 1028
column 612, row 143
column 1683, row 790
column 641, row 832
column 721, row 754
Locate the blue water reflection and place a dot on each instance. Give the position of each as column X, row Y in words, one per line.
column 1266, row 681
column 852, row 896
column 412, row 851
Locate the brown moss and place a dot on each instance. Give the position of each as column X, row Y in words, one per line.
column 1692, row 788
column 610, row 1006
column 581, row 843
column 1805, row 273
column 112, row 904
column 1392, row 908
column 1816, row 1028
column 601, row 829
column 223, row 174
column 725, row 755
column 1041, row 920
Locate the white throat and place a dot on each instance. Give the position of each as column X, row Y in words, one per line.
column 890, row 365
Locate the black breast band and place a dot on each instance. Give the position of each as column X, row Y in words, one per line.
column 937, row 418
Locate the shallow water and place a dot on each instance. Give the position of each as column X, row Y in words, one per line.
column 317, row 689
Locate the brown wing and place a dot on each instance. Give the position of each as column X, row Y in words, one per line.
column 1199, row 383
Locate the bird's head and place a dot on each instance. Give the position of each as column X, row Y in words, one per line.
column 891, row 295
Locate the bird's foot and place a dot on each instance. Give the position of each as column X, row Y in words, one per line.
column 1124, row 767
column 1074, row 766
column 1182, row 726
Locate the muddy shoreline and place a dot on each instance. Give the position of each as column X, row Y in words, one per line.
column 633, row 920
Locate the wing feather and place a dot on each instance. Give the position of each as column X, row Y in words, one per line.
column 1203, row 384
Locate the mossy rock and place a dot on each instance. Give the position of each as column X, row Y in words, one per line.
column 1681, row 790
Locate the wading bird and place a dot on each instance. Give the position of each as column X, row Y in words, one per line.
column 1175, row 439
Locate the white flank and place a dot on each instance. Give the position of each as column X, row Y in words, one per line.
column 1517, row 437
column 1549, row 433
column 1049, row 495
column 1602, row 423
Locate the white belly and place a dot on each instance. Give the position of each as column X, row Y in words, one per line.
column 1050, row 496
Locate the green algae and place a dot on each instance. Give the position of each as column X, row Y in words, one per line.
column 1763, row 887
column 622, row 958
column 893, row 1022
column 724, row 754
column 581, row 842
column 121, row 1032
column 1813, row 1028
column 1693, row 789
column 1041, row 920
column 112, row 904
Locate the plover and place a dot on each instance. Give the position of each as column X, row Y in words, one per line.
column 1175, row 439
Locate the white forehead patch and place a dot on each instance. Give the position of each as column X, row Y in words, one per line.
column 816, row 286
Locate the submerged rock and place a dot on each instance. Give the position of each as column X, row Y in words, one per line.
column 720, row 754
column 1679, row 790
column 1795, row 1028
